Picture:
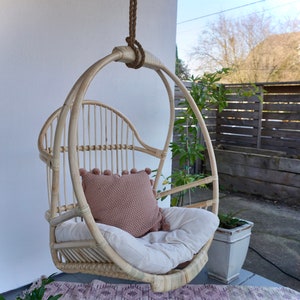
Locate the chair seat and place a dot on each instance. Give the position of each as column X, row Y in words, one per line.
column 157, row 252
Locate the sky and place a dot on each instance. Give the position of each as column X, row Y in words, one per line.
column 193, row 15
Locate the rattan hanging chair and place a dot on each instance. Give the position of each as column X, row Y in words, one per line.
column 92, row 140
column 88, row 134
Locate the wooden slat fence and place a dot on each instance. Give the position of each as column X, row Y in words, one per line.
column 257, row 141
column 269, row 119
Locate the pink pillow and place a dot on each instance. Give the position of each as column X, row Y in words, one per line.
column 126, row 201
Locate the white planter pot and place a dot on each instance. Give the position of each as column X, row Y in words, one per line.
column 228, row 252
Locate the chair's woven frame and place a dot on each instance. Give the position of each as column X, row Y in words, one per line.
column 73, row 137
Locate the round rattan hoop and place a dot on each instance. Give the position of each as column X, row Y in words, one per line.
column 73, row 104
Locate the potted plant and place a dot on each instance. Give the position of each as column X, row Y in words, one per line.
column 230, row 245
column 229, row 248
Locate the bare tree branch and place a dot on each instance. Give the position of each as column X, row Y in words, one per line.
column 253, row 47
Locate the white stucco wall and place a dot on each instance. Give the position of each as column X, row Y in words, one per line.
column 45, row 46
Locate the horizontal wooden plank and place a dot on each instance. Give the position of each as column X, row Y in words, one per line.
column 288, row 88
column 277, row 99
column 281, row 193
column 248, row 150
column 212, row 116
column 237, row 140
column 281, row 116
column 239, row 114
column 259, row 159
column 279, row 143
column 236, row 137
column 290, row 152
column 242, row 105
column 210, row 121
column 236, row 143
column 238, row 130
column 237, row 97
column 281, row 125
column 289, row 165
column 277, row 107
column 278, row 133
column 264, row 175
column 278, row 138
column 237, row 122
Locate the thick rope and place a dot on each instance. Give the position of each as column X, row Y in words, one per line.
column 131, row 41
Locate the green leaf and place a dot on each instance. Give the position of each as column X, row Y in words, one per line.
column 229, row 220
column 174, row 201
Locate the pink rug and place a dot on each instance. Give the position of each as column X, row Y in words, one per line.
column 104, row 291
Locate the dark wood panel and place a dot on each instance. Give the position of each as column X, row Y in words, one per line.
column 281, row 107
column 237, row 122
column 238, row 130
column 281, row 98
column 239, row 114
column 237, row 97
column 241, row 105
column 283, row 194
column 289, row 88
column 281, row 125
column 280, row 143
column 281, row 116
column 295, row 135
column 243, row 140
column 257, row 158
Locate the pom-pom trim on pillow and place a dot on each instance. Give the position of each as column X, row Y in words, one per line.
column 126, row 201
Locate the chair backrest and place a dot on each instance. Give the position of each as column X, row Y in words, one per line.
column 106, row 139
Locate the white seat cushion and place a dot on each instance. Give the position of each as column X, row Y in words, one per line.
column 157, row 252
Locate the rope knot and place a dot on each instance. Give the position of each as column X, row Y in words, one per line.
column 131, row 41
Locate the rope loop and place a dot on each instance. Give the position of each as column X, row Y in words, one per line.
column 139, row 54
column 131, row 41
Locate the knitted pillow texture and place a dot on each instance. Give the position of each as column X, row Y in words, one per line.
column 126, row 201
